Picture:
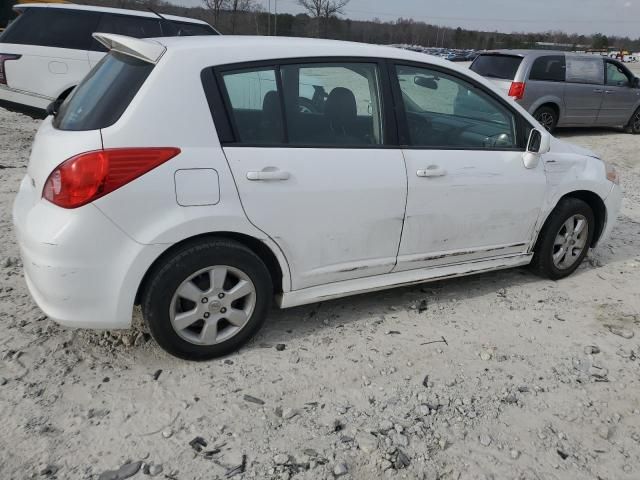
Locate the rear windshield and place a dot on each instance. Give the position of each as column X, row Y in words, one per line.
column 497, row 66
column 104, row 94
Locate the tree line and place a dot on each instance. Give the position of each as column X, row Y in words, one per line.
column 324, row 18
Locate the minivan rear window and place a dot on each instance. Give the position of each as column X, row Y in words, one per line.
column 104, row 94
column 499, row 66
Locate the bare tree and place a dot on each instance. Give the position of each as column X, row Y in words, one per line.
column 240, row 7
column 323, row 10
column 215, row 6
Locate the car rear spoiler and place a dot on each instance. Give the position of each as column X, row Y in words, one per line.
column 143, row 49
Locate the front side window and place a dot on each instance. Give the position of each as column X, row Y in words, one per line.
column 548, row 69
column 585, row 70
column 333, row 104
column 255, row 106
column 444, row 111
column 617, row 76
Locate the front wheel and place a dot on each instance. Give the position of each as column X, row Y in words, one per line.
column 547, row 117
column 564, row 240
column 207, row 299
column 634, row 123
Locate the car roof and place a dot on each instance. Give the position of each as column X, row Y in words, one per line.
column 121, row 11
column 538, row 53
column 231, row 49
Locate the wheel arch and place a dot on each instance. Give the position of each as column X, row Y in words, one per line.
column 65, row 93
column 597, row 206
column 257, row 246
column 551, row 103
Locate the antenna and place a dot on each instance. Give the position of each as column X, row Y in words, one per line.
column 166, row 21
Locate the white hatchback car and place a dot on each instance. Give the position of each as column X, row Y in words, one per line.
column 204, row 177
column 49, row 49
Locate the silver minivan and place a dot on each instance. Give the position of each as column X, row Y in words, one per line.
column 564, row 89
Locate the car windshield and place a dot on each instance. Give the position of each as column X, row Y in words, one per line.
column 104, row 94
column 503, row 67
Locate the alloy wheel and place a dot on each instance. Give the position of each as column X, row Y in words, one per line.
column 212, row 305
column 547, row 120
column 570, row 241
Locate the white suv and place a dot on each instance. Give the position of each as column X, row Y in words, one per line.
column 48, row 49
column 204, row 177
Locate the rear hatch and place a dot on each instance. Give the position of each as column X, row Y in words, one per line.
column 98, row 102
column 500, row 68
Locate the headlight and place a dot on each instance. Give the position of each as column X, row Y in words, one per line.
column 612, row 173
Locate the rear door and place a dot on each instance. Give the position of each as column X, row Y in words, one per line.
column 620, row 96
column 584, row 90
column 52, row 43
column 314, row 167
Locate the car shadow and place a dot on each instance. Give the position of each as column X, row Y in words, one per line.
column 297, row 322
column 586, row 131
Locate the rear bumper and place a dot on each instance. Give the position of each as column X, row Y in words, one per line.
column 80, row 268
column 613, row 202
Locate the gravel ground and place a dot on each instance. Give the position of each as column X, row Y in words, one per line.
column 497, row 376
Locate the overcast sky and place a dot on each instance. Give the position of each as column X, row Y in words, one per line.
column 612, row 17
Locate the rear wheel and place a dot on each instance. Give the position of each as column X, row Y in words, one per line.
column 564, row 240
column 547, row 117
column 207, row 299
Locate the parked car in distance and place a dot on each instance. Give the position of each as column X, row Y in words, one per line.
column 48, row 49
column 198, row 178
column 566, row 90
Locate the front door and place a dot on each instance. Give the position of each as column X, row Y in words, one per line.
column 470, row 196
column 318, row 179
column 621, row 97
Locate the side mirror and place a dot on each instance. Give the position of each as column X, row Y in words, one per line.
column 636, row 82
column 53, row 107
column 426, row 82
column 539, row 143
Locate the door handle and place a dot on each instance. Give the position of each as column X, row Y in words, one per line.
column 268, row 174
column 597, row 90
column 432, row 171
column 608, row 92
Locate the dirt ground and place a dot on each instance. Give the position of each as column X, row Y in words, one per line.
column 497, row 376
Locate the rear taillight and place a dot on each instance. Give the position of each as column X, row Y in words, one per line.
column 3, row 72
column 89, row 176
column 517, row 90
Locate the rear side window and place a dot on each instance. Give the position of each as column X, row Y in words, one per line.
column 314, row 104
column 497, row 66
column 255, row 106
column 53, row 27
column 104, row 94
column 548, row 69
column 585, row 70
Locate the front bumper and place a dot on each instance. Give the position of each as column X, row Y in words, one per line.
column 80, row 268
column 613, row 203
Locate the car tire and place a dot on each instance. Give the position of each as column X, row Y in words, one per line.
column 547, row 117
column 564, row 240
column 207, row 299
column 634, row 123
